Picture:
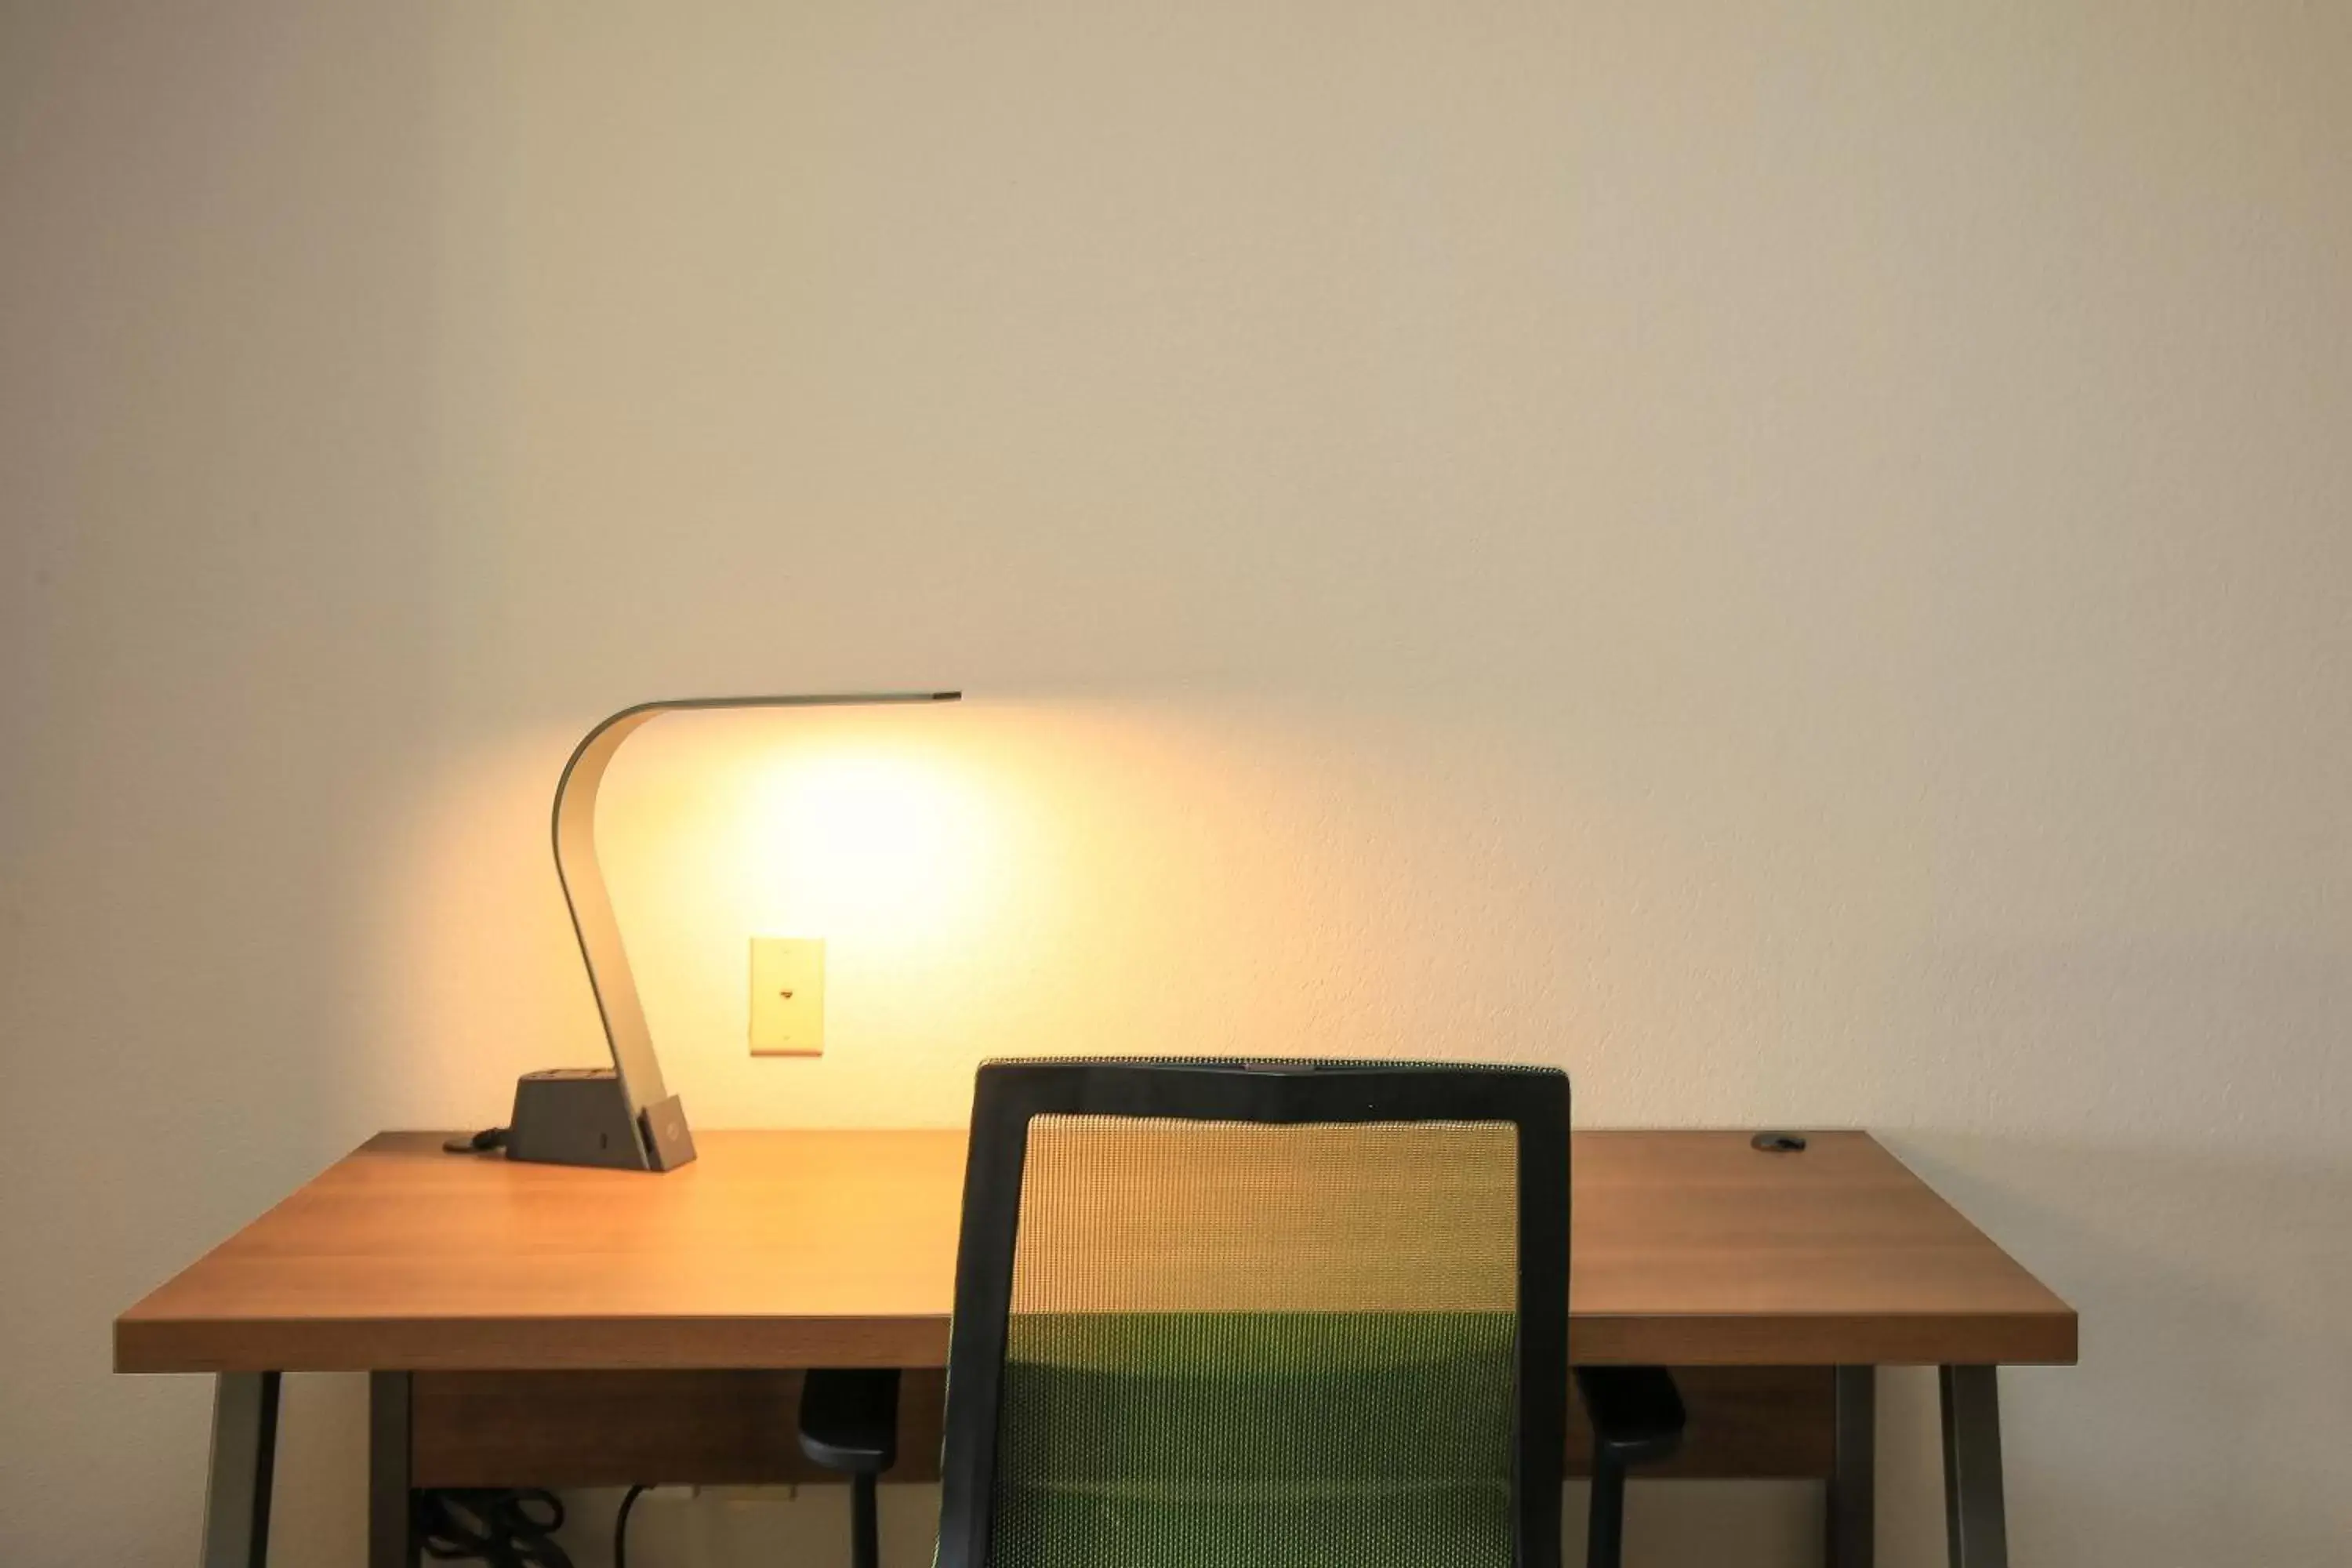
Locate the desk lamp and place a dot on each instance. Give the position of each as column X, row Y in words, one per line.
column 621, row 1116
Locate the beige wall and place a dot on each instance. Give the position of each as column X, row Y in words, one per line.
column 1790, row 559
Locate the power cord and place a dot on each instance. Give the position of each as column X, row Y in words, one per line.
column 621, row 1527
column 505, row 1528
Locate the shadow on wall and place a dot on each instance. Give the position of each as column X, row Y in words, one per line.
column 2204, row 1422
column 231, row 367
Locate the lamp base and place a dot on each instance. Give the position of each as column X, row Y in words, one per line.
column 579, row 1116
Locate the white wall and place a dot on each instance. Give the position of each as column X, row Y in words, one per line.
column 1790, row 559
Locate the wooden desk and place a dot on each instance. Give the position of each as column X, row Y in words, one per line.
column 678, row 1307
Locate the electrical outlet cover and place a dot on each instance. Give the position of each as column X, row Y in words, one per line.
column 787, row 996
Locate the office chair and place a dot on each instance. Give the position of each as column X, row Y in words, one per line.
column 1240, row 1314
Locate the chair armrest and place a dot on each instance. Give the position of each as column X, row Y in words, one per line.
column 1636, row 1412
column 849, row 1418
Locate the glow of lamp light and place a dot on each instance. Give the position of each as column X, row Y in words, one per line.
column 885, row 848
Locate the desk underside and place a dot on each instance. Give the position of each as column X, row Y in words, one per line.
column 738, row 1428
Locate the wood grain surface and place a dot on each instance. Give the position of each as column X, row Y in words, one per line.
column 785, row 1250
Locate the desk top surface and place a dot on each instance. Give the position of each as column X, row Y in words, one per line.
column 813, row 1249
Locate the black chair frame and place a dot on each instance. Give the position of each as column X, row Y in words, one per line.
column 848, row 1416
column 1010, row 1094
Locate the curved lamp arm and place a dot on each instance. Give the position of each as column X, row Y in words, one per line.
column 584, row 894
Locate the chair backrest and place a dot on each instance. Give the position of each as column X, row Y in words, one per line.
column 1225, row 1314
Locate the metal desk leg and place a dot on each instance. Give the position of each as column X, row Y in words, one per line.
column 391, row 1541
column 1975, row 1517
column 1852, row 1537
column 237, row 1487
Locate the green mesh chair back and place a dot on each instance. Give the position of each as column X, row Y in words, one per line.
column 1259, row 1315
